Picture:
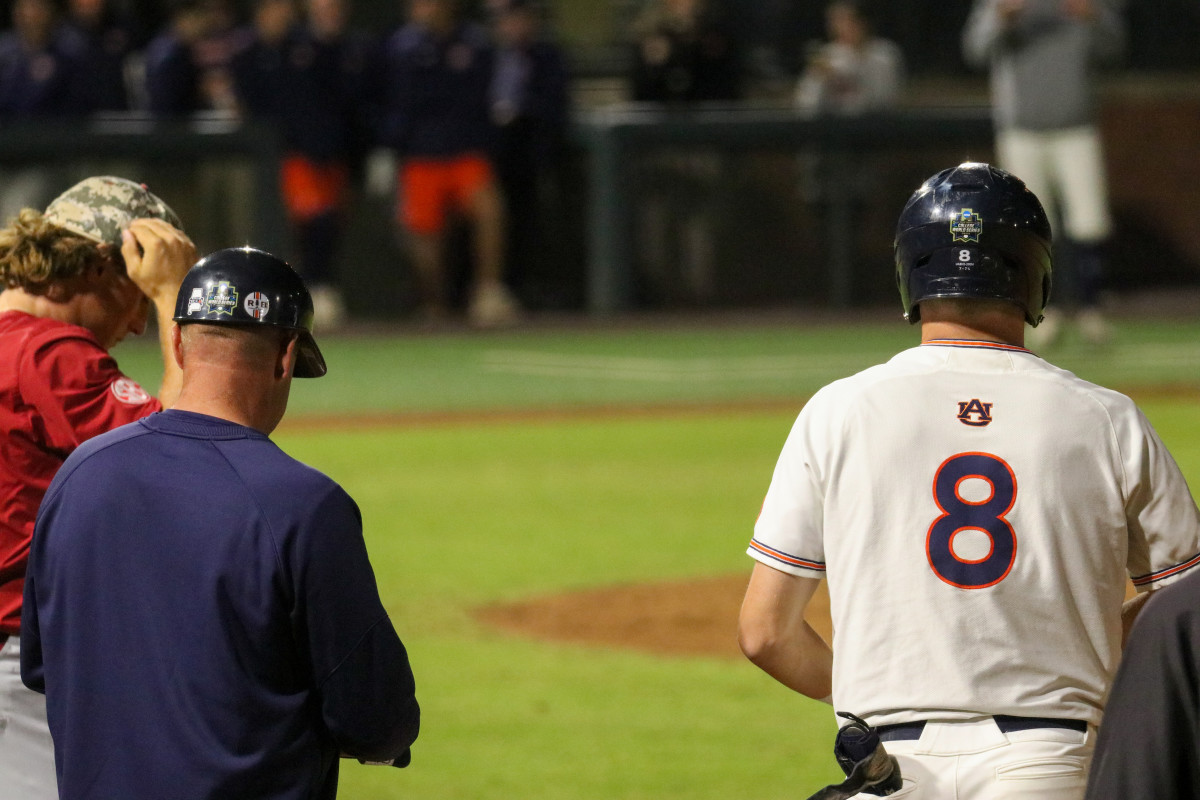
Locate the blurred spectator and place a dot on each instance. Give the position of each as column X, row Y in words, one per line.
column 41, row 78
column 172, row 73
column 855, row 71
column 530, row 108
column 188, row 65
column 40, row 65
column 437, row 117
column 188, row 74
column 108, row 41
column 310, row 79
column 1043, row 56
column 684, row 53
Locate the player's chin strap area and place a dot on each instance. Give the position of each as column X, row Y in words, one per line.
column 866, row 763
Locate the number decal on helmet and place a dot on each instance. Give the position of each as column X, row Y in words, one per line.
column 985, row 515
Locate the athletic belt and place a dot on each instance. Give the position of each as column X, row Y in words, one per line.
column 912, row 730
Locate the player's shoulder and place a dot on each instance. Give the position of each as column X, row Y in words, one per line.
column 858, row 383
column 40, row 331
column 1111, row 399
column 99, row 453
column 271, row 471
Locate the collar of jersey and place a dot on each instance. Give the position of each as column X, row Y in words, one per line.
column 979, row 344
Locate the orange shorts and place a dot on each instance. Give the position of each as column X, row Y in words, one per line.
column 429, row 187
column 311, row 189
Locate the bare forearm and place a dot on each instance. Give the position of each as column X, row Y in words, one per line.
column 802, row 662
column 172, row 378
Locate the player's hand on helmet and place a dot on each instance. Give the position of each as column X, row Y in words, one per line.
column 157, row 256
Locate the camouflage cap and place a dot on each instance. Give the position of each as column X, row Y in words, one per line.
column 100, row 208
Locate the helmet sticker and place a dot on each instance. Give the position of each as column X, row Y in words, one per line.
column 257, row 305
column 196, row 301
column 966, row 227
column 222, row 299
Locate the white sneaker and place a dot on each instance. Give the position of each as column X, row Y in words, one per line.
column 329, row 310
column 493, row 306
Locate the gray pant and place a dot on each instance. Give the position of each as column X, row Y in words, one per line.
column 26, row 749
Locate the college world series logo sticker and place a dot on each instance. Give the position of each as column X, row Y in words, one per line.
column 222, row 299
column 966, row 227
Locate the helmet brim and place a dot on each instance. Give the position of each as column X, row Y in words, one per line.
column 309, row 361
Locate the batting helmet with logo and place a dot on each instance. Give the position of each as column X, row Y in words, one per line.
column 245, row 286
column 974, row 231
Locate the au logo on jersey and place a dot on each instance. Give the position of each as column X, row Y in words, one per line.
column 966, row 227
column 974, row 413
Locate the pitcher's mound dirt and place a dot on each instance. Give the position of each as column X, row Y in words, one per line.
column 697, row 617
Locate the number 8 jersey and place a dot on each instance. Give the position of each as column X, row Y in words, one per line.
column 976, row 511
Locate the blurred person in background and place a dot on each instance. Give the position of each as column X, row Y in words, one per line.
column 310, row 77
column 530, row 108
column 437, row 108
column 1043, row 56
column 171, row 80
column 684, row 53
column 108, row 40
column 853, row 72
column 42, row 78
column 188, row 76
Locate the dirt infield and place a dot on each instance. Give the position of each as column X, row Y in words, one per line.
column 687, row 618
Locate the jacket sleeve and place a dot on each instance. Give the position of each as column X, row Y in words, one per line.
column 1147, row 743
column 363, row 680
column 32, row 674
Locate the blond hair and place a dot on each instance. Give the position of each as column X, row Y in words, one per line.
column 36, row 255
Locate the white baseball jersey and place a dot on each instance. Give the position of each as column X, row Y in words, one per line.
column 975, row 510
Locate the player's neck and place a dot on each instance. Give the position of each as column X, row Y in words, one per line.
column 223, row 394
column 1002, row 330
column 39, row 305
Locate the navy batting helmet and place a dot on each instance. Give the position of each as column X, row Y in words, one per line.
column 244, row 286
column 974, row 231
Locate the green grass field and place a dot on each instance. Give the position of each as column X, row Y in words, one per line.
column 495, row 468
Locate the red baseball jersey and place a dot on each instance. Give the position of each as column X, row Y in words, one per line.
column 58, row 388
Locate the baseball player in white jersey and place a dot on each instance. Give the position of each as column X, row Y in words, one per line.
column 976, row 511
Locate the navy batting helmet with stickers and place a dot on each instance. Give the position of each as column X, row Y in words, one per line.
column 248, row 287
column 974, row 231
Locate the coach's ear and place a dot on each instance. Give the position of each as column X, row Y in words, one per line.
column 288, row 353
column 177, row 343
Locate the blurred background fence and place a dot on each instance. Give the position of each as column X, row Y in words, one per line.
column 751, row 204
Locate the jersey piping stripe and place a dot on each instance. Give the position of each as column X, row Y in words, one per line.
column 785, row 558
column 1151, row 577
column 976, row 343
